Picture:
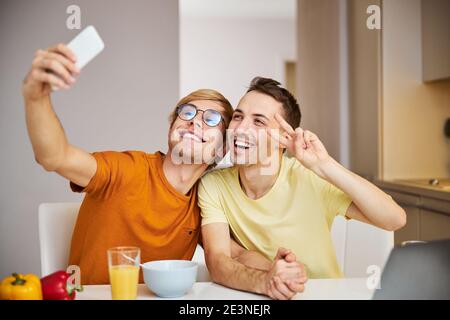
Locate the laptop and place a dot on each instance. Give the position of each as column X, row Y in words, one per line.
column 417, row 271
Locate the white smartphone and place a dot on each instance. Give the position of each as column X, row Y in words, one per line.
column 86, row 46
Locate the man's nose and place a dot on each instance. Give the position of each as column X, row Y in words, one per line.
column 197, row 121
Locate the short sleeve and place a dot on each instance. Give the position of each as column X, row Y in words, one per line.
column 209, row 201
column 335, row 200
column 114, row 170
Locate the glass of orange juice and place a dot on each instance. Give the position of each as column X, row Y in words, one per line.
column 123, row 264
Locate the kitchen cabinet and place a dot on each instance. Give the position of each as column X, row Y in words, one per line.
column 434, row 225
column 435, row 40
column 411, row 231
column 428, row 218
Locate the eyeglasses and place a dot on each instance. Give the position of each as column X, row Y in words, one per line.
column 188, row 112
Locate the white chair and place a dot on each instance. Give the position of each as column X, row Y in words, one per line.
column 359, row 245
column 56, row 224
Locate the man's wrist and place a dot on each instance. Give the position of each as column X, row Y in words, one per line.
column 326, row 168
column 36, row 99
column 36, row 102
column 261, row 287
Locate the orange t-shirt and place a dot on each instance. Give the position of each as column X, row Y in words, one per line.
column 129, row 202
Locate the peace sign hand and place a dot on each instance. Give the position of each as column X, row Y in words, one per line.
column 303, row 144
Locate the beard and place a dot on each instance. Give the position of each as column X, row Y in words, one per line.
column 198, row 147
column 185, row 151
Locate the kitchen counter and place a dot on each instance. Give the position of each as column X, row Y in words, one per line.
column 321, row 289
column 420, row 195
column 427, row 208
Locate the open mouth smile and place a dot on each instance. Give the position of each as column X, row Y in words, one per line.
column 242, row 144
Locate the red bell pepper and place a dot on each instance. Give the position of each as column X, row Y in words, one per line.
column 56, row 287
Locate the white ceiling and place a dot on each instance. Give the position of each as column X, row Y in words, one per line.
column 279, row 9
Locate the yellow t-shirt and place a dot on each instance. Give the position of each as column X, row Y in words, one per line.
column 296, row 213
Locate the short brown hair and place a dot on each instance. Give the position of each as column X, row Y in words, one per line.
column 273, row 88
column 205, row 94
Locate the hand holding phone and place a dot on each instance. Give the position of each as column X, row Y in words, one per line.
column 86, row 46
column 57, row 66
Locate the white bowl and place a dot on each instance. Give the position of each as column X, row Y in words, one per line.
column 170, row 278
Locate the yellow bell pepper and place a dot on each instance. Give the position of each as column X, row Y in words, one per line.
column 21, row 287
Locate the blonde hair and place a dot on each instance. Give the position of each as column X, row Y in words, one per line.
column 205, row 94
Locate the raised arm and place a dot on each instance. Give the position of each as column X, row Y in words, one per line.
column 53, row 67
column 282, row 281
column 369, row 203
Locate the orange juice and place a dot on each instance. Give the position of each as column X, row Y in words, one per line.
column 124, row 280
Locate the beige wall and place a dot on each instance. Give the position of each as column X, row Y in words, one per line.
column 318, row 70
column 338, row 79
column 413, row 112
column 121, row 101
column 364, row 90
column 395, row 120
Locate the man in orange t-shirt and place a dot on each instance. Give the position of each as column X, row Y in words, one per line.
column 132, row 198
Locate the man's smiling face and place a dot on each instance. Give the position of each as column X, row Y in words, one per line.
column 193, row 140
column 247, row 137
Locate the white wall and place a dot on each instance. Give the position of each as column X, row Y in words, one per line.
column 225, row 53
column 121, row 101
column 414, row 113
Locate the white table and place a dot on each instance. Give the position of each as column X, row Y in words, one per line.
column 315, row 289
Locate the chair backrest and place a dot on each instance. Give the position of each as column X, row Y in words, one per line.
column 359, row 245
column 56, row 224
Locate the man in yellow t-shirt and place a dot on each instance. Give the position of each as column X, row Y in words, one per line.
column 270, row 201
column 296, row 213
